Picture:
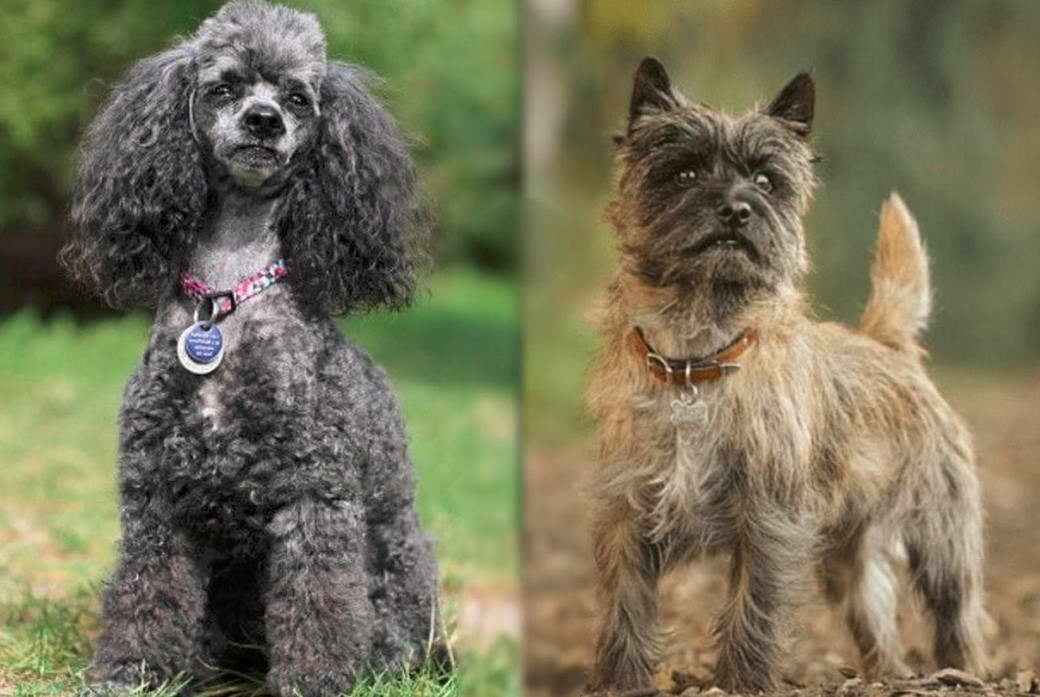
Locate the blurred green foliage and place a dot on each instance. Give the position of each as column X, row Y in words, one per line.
column 451, row 77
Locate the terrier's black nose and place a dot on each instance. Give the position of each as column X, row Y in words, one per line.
column 263, row 121
column 734, row 213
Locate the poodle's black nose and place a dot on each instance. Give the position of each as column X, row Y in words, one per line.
column 263, row 121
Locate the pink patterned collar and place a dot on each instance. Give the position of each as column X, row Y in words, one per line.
column 225, row 301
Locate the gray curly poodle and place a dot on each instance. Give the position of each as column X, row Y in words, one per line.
column 268, row 502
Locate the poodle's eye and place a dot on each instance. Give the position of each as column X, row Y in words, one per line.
column 763, row 182
column 299, row 99
column 222, row 89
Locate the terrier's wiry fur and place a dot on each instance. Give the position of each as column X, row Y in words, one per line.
column 829, row 448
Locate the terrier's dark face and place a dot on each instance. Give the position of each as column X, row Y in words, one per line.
column 712, row 203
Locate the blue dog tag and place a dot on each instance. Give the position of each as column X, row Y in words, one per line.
column 201, row 347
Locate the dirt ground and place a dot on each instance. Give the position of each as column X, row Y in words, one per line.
column 559, row 604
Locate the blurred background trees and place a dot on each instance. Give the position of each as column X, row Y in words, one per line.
column 451, row 77
column 935, row 99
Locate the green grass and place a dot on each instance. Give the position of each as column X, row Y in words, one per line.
column 453, row 360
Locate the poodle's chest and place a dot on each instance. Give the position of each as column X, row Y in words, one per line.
column 266, row 366
column 228, row 449
column 223, row 465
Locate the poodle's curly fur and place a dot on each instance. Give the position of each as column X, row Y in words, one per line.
column 271, row 503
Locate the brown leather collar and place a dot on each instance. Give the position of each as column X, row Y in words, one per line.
column 686, row 371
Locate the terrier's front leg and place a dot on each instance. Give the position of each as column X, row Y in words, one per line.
column 153, row 606
column 628, row 569
column 318, row 615
column 765, row 570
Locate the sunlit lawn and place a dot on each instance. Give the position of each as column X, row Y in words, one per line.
column 453, row 360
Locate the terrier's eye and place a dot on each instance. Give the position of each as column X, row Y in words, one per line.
column 687, row 176
column 298, row 99
column 763, row 182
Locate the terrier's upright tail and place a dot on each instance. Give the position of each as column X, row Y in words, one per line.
column 897, row 311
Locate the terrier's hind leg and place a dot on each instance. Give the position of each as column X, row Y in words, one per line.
column 944, row 545
column 858, row 578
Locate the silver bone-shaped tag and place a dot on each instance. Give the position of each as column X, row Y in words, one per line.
column 689, row 410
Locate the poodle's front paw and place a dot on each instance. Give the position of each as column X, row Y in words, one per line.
column 284, row 682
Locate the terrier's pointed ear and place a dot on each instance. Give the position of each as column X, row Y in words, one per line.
column 652, row 88
column 795, row 104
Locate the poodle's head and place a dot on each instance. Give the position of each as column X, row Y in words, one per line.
column 256, row 101
column 249, row 103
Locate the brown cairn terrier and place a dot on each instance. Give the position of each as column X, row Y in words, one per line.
column 730, row 421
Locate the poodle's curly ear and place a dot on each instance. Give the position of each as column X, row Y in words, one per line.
column 141, row 186
column 353, row 227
